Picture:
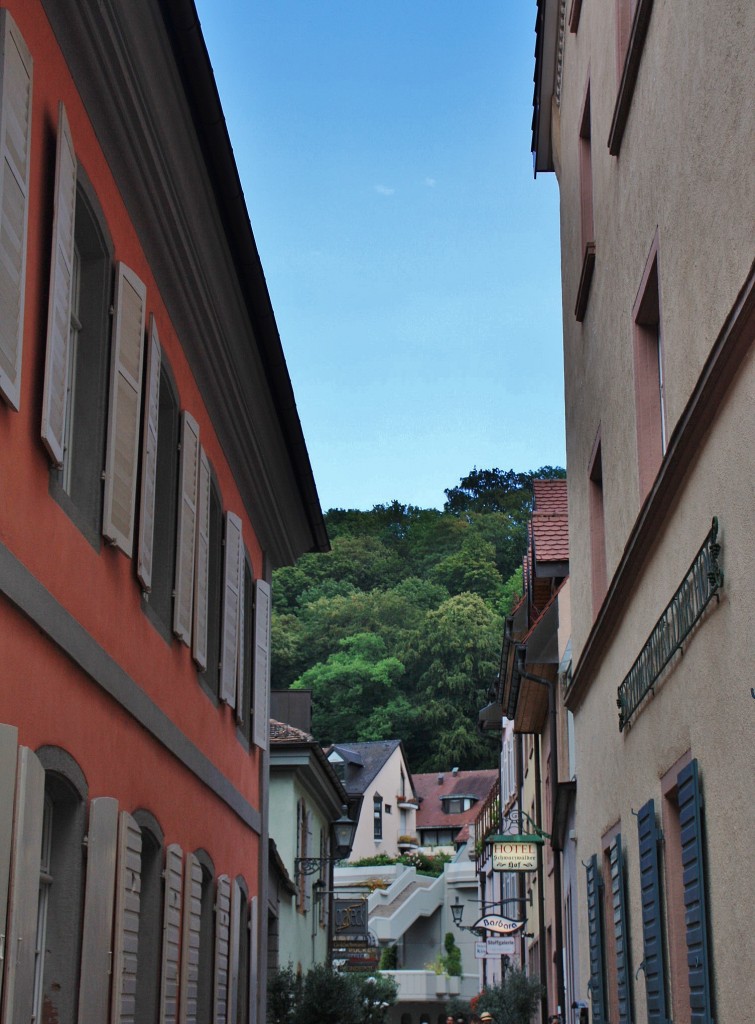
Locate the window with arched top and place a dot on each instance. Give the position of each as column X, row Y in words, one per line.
column 61, row 883
column 147, row 995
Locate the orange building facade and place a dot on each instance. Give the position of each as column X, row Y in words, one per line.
column 152, row 474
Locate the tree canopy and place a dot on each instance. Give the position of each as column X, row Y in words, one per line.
column 397, row 630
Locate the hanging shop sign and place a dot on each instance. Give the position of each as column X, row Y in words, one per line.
column 515, row 853
column 496, row 923
column 350, row 920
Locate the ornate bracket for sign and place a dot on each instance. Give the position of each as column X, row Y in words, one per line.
column 513, row 827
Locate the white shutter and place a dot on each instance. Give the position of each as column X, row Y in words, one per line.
column 149, row 460
column 99, row 891
column 18, row 994
column 8, row 759
column 202, row 564
column 234, row 952
column 241, row 654
column 171, row 951
column 55, row 395
column 231, row 593
column 222, row 943
column 187, row 527
column 126, row 934
column 123, row 421
column 15, row 138
column 190, row 940
column 261, row 663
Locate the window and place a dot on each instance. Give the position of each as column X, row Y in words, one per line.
column 57, row 948
column 648, row 375
column 160, row 601
column 15, row 138
column 239, row 993
column 624, row 13
column 618, row 977
column 244, row 700
column 211, row 674
column 205, row 970
column 596, row 944
column 149, row 949
column 587, row 226
column 597, row 527
column 377, row 816
column 388, row 808
column 633, row 19
column 74, row 411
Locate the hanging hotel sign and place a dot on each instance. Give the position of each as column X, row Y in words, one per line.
column 515, row 853
column 496, row 923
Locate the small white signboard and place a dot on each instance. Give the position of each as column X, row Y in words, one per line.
column 501, row 945
column 480, row 950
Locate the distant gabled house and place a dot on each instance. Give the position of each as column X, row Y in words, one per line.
column 381, row 795
column 306, row 797
column 449, row 804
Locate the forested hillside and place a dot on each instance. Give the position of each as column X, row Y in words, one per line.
column 398, row 629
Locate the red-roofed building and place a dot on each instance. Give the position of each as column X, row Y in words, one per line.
column 450, row 803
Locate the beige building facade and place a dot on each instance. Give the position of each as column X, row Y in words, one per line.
column 644, row 111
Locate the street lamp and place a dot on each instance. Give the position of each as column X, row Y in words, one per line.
column 343, row 831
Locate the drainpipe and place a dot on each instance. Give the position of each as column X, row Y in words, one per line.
column 551, row 684
column 541, row 889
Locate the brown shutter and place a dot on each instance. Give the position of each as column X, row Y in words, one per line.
column 15, row 138
column 187, row 528
column 55, row 395
column 123, row 422
column 149, row 460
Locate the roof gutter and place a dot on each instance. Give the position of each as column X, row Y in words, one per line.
column 193, row 61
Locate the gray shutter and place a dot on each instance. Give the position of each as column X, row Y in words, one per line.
column 149, row 460
column 171, row 951
column 59, row 303
column 253, row 962
column 241, row 653
column 99, row 891
column 618, row 906
column 234, row 952
column 222, row 946
column 695, row 909
column 8, row 759
column 192, row 910
column 596, row 985
column 261, row 663
column 18, row 994
column 15, row 138
column 650, row 895
column 125, row 396
column 187, row 528
column 126, row 933
column 232, row 577
column 202, row 565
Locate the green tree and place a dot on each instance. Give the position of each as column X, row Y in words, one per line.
column 515, row 1001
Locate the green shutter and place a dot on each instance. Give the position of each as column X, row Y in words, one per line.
column 652, row 937
column 597, row 984
column 618, row 905
column 698, row 962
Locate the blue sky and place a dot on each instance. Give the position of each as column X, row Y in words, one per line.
column 411, row 258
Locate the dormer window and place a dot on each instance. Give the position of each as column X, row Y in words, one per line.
column 457, row 804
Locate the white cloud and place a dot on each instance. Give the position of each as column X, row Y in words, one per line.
column 384, row 190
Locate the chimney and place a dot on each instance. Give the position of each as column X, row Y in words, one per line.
column 441, row 777
column 454, row 772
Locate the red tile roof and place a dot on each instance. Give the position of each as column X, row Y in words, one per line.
column 281, row 731
column 550, row 521
column 477, row 784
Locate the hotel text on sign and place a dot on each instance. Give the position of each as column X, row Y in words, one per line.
column 514, row 856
